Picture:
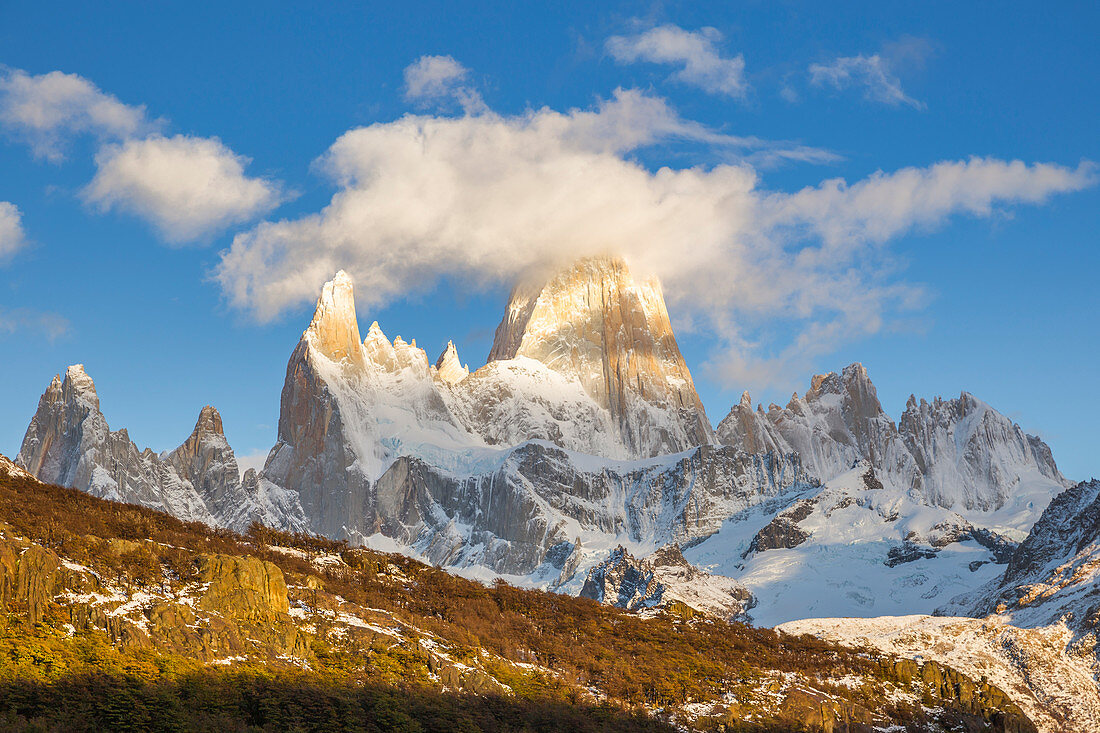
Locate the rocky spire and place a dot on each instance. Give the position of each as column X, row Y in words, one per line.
column 210, row 421
column 334, row 330
column 449, row 368
column 595, row 323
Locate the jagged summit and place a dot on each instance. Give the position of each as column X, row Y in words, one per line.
column 956, row 452
column 334, row 330
column 593, row 322
column 209, row 422
column 449, row 368
column 69, row 443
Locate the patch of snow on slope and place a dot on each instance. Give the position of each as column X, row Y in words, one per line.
column 840, row 569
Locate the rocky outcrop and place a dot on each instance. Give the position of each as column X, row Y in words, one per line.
column 664, row 579
column 29, row 579
column 243, row 587
column 957, row 453
column 69, row 443
column 783, row 531
column 595, row 323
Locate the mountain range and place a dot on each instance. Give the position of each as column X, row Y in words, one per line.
column 580, row 459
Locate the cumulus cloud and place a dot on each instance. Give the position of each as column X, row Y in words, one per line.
column 696, row 52
column 12, row 237
column 441, row 78
column 491, row 198
column 872, row 73
column 187, row 187
column 46, row 109
column 37, row 323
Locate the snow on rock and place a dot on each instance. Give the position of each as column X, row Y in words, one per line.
column 11, row 470
column 854, row 547
column 664, row 579
column 69, row 443
column 1035, row 667
column 593, row 322
column 449, row 368
column 1052, row 586
column 534, row 510
column 959, row 454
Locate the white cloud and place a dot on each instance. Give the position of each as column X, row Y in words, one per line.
column 696, row 51
column 187, row 187
column 254, row 460
column 441, row 78
column 884, row 205
column 873, row 73
column 488, row 198
column 46, row 109
column 37, row 323
column 12, row 236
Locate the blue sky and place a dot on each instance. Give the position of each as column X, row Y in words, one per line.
column 963, row 271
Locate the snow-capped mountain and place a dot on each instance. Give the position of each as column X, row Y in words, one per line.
column 958, row 453
column 69, row 443
column 581, row 433
column 595, row 324
column 515, row 465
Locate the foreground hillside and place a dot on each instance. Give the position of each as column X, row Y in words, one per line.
column 119, row 616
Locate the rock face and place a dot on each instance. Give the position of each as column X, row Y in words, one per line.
column 1052, row 576
column 29, row 578
column 957, row 453
column 596, row 324
column 69, row 443
column 664, row 579
column 538, row 505
column 243, row 587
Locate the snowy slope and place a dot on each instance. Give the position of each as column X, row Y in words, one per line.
column 851, row 548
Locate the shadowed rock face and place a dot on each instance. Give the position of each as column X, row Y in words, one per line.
column 958, row 452
column 783, row 531
column 594, row 322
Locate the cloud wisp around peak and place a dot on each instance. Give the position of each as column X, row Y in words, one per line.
column 488, row 198
column 12, row 236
